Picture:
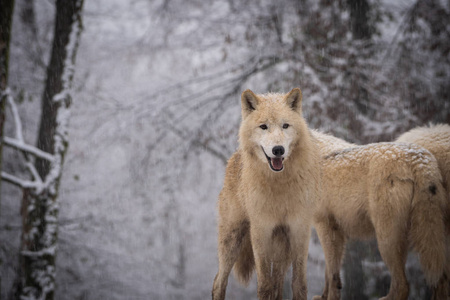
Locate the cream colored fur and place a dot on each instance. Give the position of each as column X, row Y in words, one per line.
column 386, row 190
column 265, row 216
column 436, row 139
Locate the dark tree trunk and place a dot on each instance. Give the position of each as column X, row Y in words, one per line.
column 65, row 12
column 39, row 206
column 359, row 19
column 6, row 12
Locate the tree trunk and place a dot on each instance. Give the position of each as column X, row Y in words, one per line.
column 359, row 19
column 65, row 12
column 40, row 205
column 6, row 12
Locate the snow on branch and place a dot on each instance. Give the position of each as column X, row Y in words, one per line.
column 20, row 182
column 19, row 144
column 15, row 113
column 69, row 68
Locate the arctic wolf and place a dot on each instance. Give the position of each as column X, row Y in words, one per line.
column 436, row 139
column 387, row 190
column 265, row 206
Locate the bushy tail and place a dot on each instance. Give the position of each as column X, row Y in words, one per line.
column 245, row 264
column 427, row 232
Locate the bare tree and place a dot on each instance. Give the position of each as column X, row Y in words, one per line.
column 36, row 278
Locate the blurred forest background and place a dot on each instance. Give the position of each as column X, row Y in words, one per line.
column 154, row 115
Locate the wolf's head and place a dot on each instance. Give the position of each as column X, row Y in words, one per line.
column 272, row 126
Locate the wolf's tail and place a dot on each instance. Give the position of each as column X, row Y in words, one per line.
column 427, row 231
column 245, row 264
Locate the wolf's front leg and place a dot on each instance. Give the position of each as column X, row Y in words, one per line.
column 270, row 267
column 300, row 258
column 230, row 238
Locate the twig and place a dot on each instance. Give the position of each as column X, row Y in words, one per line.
column 15, row 113
column 198, row 143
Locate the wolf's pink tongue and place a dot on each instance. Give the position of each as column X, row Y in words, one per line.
column 277, row 163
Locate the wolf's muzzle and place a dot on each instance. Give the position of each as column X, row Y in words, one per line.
column 278, row 151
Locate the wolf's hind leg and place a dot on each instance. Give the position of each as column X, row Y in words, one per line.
column 230, row 241
column 333, row 241
column 393, row 253
column 393, row 248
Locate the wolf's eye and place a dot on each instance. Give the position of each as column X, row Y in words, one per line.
column 285, row 125
column 263, row 126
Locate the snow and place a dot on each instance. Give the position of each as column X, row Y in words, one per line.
column 155, row 113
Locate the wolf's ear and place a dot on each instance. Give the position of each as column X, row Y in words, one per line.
column 294, row 99
column 249, row 102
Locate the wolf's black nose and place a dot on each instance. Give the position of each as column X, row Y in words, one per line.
column 278, row 150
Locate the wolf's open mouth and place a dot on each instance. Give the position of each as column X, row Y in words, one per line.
column 275, row 163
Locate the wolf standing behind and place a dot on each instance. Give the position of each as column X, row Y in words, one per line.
column 270, row 190
column 436, row 139
column 387, row 190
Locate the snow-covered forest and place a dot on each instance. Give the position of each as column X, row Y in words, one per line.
column 154, row 116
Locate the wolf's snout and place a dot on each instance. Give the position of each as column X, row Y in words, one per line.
column 278, row 151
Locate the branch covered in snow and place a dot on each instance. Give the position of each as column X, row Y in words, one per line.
column 19, row 145
column 18, row 181
column 15, row 113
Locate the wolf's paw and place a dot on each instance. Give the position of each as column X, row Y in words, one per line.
column 318, row 298
column 387, row 298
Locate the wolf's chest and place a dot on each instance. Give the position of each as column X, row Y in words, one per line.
column 276, row 205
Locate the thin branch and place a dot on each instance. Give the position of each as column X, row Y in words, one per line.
column 19, row 145
column 259, row 64
column 15, row 113
column 198, row 143
column 17, row 181
column 34, row 173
